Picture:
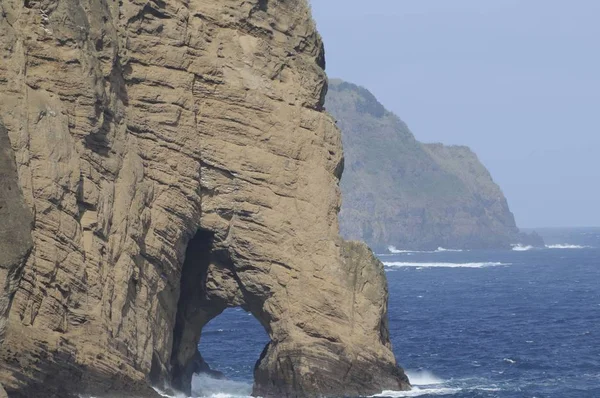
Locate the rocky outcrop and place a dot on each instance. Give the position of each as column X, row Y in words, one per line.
column 15, row 232
column 15, row 229
column 177, row 161
column 400, row 192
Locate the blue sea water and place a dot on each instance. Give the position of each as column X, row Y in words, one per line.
column 470, row 324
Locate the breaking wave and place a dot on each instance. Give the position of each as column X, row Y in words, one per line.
column 163, row 394
column 522, row 248
column 417, row 392
column 566, row 246
column 426, row 383
column 399, row 264
column 441, row 249
column 394, row 250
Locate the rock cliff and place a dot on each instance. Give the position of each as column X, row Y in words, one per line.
column 398, row 191
column 15, row 229
column 163, row 160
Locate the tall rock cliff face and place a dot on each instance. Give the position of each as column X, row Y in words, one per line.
column 166, row 160
column 15, row 229
column 398, row 191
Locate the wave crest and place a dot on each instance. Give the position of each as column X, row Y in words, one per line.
column 426, row 383
column 401, row 264
column 566, row 246
column 522, row 248
column 417, row 392
column 441, row 249
column 394, row 250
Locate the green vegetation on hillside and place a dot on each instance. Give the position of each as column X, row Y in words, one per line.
column 398, row 191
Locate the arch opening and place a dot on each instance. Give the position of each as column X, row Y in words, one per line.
column 231, row 344
column 220, row 331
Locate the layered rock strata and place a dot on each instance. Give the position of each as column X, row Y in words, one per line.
column 15, row 229
column 170, row 159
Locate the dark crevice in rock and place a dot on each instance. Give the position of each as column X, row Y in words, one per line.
column 156, row 369
column 263, row 5
column 148, row 11
column 192, row 310
column 106, row 109
column 15, row 228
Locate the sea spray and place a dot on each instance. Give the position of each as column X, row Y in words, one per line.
column 206, row 386
column 423, row 378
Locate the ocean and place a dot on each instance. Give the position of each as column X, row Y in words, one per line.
column 466, row 324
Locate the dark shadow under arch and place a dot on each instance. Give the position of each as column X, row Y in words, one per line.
column 193, row 311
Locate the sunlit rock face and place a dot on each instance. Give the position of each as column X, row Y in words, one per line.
column 141, row 131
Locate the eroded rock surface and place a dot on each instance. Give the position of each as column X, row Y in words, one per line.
column 143, row 130
column 15, row 232
column 15, row 229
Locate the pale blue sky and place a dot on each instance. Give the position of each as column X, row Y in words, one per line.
column 518, row 81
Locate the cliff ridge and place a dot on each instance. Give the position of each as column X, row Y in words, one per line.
column 400, row 192
column 166, row 160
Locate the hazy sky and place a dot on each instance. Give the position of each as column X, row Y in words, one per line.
column 518, row 81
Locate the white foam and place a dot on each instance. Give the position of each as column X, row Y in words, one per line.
column 521, row 248
column 566, row 246
column 400, row 264
column 225, row 395
column 426, row 383
column 393, row 250
column 163, row 394
column 417, row 392
column 434, row 390
column 441, row 249
column 508, row 360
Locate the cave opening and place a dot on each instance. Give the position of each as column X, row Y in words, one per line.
column 218, row 337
